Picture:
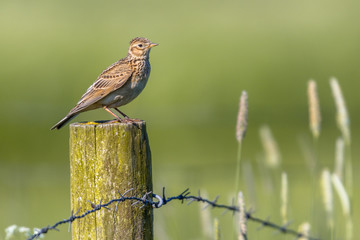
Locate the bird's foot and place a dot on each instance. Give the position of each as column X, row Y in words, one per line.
column 126, row 120
column 131, row 120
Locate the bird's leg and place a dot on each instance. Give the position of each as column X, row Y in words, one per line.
column 125, row 116
column 127, row 119
column 116, row 116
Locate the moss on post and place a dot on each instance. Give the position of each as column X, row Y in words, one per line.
column 106, row 158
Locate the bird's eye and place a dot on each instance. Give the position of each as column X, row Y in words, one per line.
column 140, row 45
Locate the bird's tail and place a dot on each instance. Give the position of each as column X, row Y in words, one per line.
column 64, row 121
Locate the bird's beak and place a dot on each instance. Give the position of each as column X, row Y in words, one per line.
column 153, row 45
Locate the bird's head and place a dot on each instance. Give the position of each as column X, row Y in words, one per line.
column 140, row 47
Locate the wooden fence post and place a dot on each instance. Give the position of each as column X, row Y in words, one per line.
column 106, row 158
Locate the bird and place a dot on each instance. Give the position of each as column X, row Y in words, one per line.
column 118, row 84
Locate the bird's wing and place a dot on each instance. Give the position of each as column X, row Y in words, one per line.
column 109, row 80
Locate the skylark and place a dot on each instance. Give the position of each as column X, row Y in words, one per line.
column 117, row 85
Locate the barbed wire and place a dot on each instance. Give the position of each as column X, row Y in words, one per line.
column 161, row 201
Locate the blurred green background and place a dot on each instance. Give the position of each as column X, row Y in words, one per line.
column 51, row 51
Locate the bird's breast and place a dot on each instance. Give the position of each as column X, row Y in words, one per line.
column 140, row 73
column 130, row 90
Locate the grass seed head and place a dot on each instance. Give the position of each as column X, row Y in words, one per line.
column 314, row 109
column 242, row 118
column 342, row 116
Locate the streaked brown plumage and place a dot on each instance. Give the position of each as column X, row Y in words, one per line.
column 117, row 85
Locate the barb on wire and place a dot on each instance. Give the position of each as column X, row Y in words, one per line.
column 160, row 201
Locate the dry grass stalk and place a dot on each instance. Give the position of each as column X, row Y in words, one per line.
column 339, row 158
column 345, row 203
column 342, row 115
column 241, row 124
column 205, row 216
column 304, row 229
column 242, row 217
column 327, row 196
column 343, row 123
column 284, row 198
column 349, row 229
column 217, row 229
column 272, row 152
column 344, row 198
column 314, row 109
column 248, row 176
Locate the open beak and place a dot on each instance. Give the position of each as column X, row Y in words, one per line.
column 153, row 45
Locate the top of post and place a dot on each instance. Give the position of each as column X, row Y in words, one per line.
column 112, row 123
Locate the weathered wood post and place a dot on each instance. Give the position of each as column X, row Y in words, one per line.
column 106, row 158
